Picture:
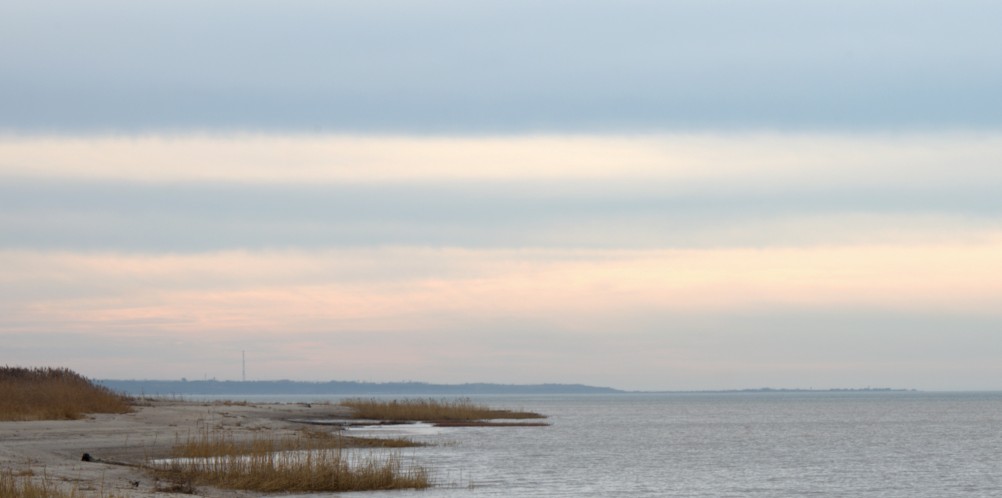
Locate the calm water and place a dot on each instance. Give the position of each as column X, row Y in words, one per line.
column 769, row 445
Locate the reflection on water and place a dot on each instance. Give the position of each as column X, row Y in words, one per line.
column 767, row 445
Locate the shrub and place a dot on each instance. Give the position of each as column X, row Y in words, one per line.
column 53, row 394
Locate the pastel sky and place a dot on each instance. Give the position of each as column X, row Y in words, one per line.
column 636, row 194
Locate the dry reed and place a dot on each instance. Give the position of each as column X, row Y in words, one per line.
column 339, row 440
column 430, row 410
column 12, row 486
column 22, row 486
column 207, row 444
column 53, row 394
column 290, row 464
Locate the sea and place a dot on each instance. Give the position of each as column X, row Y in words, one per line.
column 793, row 444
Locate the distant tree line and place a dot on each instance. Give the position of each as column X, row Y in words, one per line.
column 290, row 387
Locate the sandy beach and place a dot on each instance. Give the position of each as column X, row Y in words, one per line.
column 54, row 449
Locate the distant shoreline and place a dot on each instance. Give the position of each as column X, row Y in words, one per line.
column 356, row 388
column 346, row 388
column 766, row 390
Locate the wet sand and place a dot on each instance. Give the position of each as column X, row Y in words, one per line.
column 54, row 448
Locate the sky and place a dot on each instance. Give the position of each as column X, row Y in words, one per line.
column 650, row 195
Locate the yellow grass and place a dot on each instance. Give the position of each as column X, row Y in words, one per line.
column 379, row 442
column 430, row 410
column 22, row 486
column 208, row 444
column 53, row 394
column 338, row 440
column 290, row 464
column 12, row 486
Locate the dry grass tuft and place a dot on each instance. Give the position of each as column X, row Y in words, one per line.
column 379, row 442
column 12, row 486
column 207, row 444
column 290, row 464
column 53, row 394
column 430, row 410
column 22, row 486
column 339, row 440
column 176, row 487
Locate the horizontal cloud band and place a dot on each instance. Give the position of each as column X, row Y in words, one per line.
column 205, row 193
column 143, row 217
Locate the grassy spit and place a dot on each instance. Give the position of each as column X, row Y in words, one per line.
column 447, row 412
column 207, row 444
column 53, row 394
column 291, row 464
column 339, row 440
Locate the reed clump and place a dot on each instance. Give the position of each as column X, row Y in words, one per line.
column 430, row 410
column 208, row 444
column 339, row 440
column 53, row 394
column 289, row 464
column 22, row 486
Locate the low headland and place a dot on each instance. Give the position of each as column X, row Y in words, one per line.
column 65, row 436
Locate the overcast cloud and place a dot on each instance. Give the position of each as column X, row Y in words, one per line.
column 643, row 194
column 498, row 66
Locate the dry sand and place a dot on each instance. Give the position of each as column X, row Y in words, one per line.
column 54, row 448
